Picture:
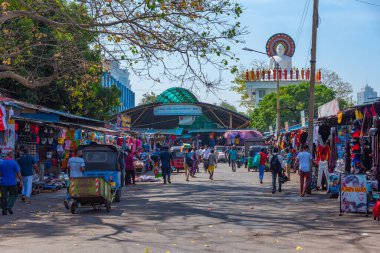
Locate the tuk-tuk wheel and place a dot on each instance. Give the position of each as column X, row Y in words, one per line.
column 73, row 207
column 108, row 206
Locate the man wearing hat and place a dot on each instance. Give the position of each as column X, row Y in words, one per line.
column 9, row 171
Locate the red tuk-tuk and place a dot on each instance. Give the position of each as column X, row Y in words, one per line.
column 178, row 158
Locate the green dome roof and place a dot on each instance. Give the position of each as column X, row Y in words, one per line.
column 176, row 95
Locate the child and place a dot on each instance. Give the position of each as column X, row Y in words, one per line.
column 211, row 164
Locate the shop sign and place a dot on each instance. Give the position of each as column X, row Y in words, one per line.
column 286, row 126
column 303, row 119
column 177, row 110
column 124, row 121
column 329, row 109
column 9, row 142
column 334, row 183
column 353, row 193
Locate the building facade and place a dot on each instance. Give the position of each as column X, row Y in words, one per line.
column 262, row 82
column 120, row 78
column 366, row 95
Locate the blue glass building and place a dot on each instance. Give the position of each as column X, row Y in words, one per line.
column 120, row 78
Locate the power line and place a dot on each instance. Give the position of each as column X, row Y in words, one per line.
column 299, row 25
column 302, row 21
column 364, row 2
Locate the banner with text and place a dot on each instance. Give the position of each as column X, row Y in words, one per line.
column 177, row 110
column 353, row 198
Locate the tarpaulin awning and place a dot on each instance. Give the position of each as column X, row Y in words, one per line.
column 207, row 131
column 65, row 124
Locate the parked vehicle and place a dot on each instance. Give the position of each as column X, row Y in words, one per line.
column 178, row 158
column 220, row 155
column 241, row 159
column 105, row 161
column 91, row 191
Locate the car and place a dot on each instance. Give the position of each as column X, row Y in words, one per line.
column 106, row 161
column 220, row 155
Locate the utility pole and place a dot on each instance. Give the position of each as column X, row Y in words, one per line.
column 312, row 75
column 278, row 109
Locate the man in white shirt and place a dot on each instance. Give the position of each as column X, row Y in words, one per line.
column 75, row 168
column 205, row 154
column 76, row 165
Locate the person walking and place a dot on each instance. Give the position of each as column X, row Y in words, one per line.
column 227, row 154
column 233, row 157
column 263, row 159
column 194, row 167
column 305, row 161
column 205, row 154
column 130, row 174
column 165, row 158
column 323, row 166
column 276, row 168
column 75, row 167
column 212, row 163
column 288, row 159
column 188, row 162
column 9, row 171
column 27, row 165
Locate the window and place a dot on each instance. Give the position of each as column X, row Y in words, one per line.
column 96, row 157
column 262, row 93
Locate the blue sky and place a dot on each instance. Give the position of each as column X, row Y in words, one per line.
column 348, row 41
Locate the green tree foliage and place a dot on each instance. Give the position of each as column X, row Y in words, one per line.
column 57, row 68
column 195, row 32
column 148, row 98
column 228, row 106
column 293, row 99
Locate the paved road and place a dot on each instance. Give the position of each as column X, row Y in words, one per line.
column 233, row 213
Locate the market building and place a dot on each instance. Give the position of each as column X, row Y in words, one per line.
column 178, row 113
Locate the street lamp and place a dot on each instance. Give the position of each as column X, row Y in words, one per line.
column 278, row 89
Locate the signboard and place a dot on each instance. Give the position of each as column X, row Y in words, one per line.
column 329, row 109
column 124, row 122
column 10, row 144
column 303, row 120
column 177, row 110
column 353, row 193
column 286, row 126
column 271, row 129
column 334, row 183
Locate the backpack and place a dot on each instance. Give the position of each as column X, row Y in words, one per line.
column 256, row 160
column 275, row 163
